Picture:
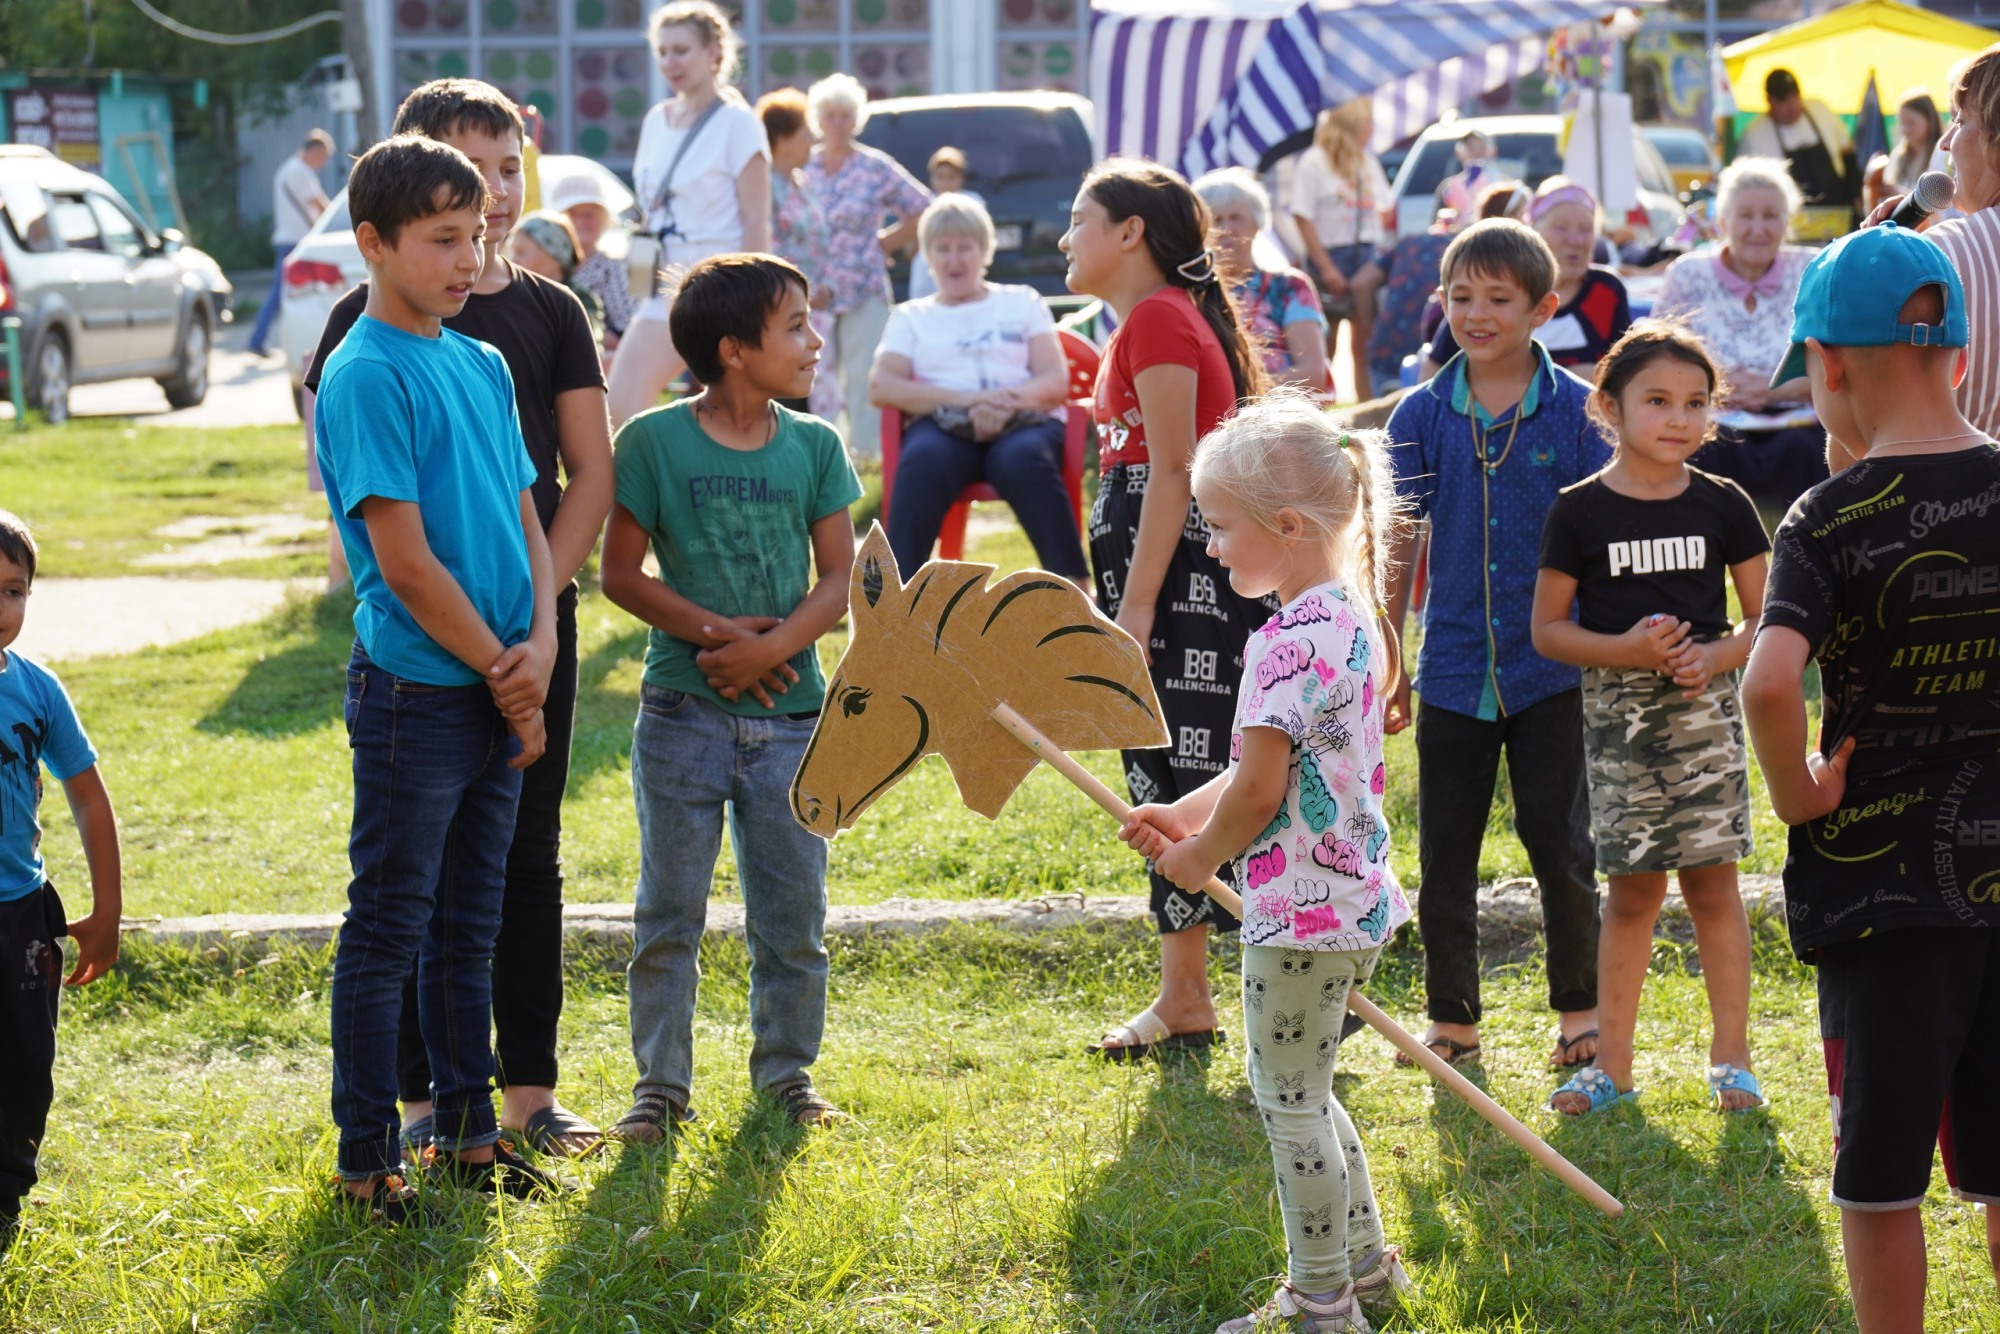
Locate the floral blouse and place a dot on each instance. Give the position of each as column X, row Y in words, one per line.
column 798, row 229
column 1717, row 305
column 1272, row 301
column 856, row 199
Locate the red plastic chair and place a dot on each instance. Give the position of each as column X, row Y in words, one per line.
column 1077, row 433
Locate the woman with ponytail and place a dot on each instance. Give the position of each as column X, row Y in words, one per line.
column 1178, row 365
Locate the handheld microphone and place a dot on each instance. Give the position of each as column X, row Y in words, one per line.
column 1933, row 191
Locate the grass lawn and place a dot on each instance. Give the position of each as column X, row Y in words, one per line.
column 993, row 1179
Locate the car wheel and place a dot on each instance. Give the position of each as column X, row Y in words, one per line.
column 188, row 385
column 50, row 380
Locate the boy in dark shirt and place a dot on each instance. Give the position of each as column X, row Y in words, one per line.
column 544, row 335
column 1885, row 574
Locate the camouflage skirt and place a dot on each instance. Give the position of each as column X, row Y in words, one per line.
column 1669, row 782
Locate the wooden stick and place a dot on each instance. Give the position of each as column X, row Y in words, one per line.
column 1399, row 1037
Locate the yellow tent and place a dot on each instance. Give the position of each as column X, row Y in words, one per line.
column 1833, row 54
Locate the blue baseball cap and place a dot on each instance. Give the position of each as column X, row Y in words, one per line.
column 1852, row 292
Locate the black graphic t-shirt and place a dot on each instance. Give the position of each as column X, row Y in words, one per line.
column 540, row 328
column 1636, row 558
column 1891, row 570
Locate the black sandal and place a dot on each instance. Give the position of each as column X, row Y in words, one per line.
column 654, row 1116
column 549, row 1130
column 1454, row 1051
column 1560, row 1058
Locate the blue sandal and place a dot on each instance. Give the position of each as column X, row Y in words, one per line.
column 1597, row 1088
column 1727, row 1078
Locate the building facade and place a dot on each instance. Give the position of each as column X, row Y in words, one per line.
column 585, row 66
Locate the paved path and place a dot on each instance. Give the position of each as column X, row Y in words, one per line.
column 85, row 618
column 1507, row 908
column 243, row 391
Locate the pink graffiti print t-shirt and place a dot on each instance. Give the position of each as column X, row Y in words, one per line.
column 1318, row 877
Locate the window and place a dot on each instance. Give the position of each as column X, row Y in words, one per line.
column 121, row 234
column 76, row 225
column 27, row 212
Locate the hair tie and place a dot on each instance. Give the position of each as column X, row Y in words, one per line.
column 1199, row 271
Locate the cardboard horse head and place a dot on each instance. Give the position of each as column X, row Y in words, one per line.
column 928, row 661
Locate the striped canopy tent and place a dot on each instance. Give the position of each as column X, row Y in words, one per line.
column 1202, row 84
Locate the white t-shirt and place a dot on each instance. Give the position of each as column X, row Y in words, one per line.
column 705, row 215
column 1318, row 877
column 971, row 346
column 1340, row 214
column 296, row 197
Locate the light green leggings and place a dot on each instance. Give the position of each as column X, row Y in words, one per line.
column 1293, row 1002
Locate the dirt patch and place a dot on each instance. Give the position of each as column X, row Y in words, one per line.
column 87, row 618
column 215, row 540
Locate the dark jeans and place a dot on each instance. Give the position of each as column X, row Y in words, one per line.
column 1024, row 466
column 434, row 807
column 528, row 955
column 1775, row 467
column 31, row 931
column 1458, row 759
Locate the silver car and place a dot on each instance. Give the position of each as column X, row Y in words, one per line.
column 99, row 294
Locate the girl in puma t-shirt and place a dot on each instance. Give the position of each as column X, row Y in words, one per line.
column 1180, row 361
column 1642, row 550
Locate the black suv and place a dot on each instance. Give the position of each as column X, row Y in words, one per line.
column 1025, row 155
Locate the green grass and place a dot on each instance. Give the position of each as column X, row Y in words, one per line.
column 993, row 1180
column 97, row 491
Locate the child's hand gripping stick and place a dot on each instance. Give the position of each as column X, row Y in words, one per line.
column 1402, row 1039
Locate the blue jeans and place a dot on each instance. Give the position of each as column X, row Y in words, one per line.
column 691, row 761
column 434, row 808
column 273, row 300
column 1024, row 466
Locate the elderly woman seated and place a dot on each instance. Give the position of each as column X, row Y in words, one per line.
column 980, row 379
column 1279, row 306
column 1739, row 296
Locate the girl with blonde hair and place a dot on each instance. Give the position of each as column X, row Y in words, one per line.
column 1343, row 209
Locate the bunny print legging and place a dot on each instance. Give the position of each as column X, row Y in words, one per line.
column 1200, row 627
column 1293, row 1001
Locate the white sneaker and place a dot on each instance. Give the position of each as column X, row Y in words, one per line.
column 1290, row 1309
column 1383, row 1280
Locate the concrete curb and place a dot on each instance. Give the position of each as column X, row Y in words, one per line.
column 1508, row 907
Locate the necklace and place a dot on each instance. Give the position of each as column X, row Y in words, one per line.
column 770, row 419
column 1482, row 438
column 1879, row 446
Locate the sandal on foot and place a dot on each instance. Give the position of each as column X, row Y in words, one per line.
column 418, row 1134
column 654, row 1116
column 1290, row 1309
column 391, row 1202
column 1726, row 1078
column 1381, row 1280
column 1452, row 1052
column 555, row 1129
column 1146, row 1034
column 508, row 1173
column 1597, row 1089
column 803, row 1105
column 1561, row 1059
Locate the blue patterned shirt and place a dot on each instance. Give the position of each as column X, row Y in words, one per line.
column 1478, row 657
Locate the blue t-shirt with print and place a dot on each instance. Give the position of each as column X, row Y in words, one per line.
column 37, row 727
column 1486, row 485
column 431, row 421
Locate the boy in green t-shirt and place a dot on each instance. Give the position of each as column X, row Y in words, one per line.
column 741, row 500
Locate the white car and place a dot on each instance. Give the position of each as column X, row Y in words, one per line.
column 1528, row 147
column 327, row 264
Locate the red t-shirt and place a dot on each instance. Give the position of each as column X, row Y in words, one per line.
column 1163, row 330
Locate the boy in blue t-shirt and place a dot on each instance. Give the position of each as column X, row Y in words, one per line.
column 1480, row 450
column 742, row 500
column 431, row 488
column 38, row 727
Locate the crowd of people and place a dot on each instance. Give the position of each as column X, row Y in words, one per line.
column 1556, row 482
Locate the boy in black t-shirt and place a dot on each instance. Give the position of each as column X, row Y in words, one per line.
column 540, row 329
column 1888, row 575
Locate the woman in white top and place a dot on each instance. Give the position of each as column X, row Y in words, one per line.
column 1739, row 297
column 1340, row 199
column 703, row 175
column 980, row 378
